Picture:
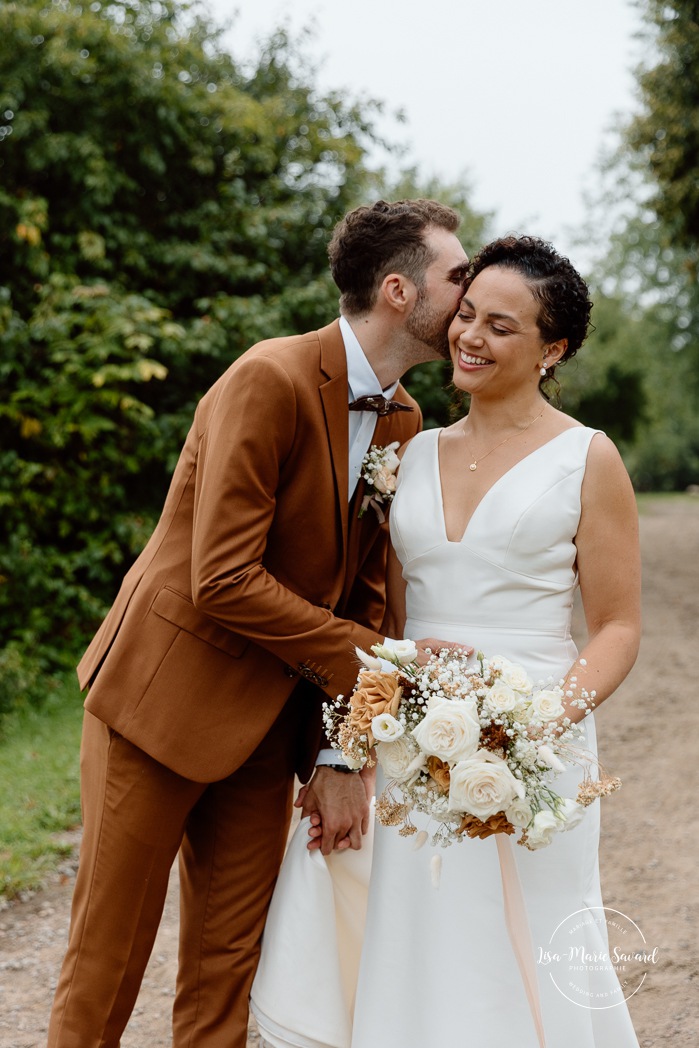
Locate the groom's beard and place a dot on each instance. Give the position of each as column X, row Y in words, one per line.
column 429, row 326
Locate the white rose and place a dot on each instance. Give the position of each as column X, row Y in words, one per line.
column 524, row 711
column 386, row 728
column 547, row 704
column 401, row 651
column 482, row 785
column 501, row 698
column 569, row 813
column 449, row 730
column 405, row 651
column 401, row 760
column 519, row 812
column 390, row 459
column 513, row 675
column 543, row 830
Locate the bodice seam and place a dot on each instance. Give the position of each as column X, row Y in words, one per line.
column 544, row 494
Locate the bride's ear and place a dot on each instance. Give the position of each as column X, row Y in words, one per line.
column 554, row 352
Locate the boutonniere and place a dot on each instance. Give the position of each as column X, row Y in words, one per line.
column 378, row 470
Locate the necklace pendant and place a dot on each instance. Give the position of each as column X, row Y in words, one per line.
column 473, row 466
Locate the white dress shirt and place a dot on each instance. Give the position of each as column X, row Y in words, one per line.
column 362, row 382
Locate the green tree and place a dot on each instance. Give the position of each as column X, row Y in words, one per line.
column 641, row 366
column 636, row 377
column 603, row 385
column 654, row 332
column 160, row 210
column 665, row 135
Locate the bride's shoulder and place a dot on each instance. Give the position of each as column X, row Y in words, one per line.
column 601, row 453
column 421, row 440
column 562, row 423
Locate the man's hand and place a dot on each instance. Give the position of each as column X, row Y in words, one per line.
column 435, row 645
column 338, row 806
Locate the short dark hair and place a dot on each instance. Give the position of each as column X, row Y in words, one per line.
column 373, row 241
column 562, row 294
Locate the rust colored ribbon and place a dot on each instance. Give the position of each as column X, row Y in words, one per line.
column 518, row 930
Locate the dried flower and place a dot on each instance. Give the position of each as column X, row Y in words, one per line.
column 494, row 737
column 473, row 827
column 390, row 812
column 590, row 789
column 377, row 693
column 439, row 771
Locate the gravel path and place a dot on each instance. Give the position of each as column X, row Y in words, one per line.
column 649, row 853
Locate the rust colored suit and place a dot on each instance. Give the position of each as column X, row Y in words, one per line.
column 205, row 686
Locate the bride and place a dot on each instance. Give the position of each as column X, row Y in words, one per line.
column 496, row 521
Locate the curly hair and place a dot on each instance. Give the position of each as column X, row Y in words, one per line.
column 373, row 241
column 562, row 294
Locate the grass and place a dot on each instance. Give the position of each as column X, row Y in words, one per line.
column 39, row 787
column 648, row 498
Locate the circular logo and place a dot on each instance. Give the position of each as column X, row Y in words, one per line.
column 597, row 957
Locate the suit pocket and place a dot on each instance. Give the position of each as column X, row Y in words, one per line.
column 174, row 607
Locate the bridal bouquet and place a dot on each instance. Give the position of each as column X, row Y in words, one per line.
column 475, row 746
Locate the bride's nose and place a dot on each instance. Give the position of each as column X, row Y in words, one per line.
column 471, row 335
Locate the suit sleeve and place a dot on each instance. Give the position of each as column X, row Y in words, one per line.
column 241, row 455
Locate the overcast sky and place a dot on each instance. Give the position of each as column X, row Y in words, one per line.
column 518, row 95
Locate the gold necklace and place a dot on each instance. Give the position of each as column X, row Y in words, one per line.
column 474, row 465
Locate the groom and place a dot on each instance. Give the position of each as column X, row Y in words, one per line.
column 206, row 678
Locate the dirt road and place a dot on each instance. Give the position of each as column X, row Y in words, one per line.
column 650, row 848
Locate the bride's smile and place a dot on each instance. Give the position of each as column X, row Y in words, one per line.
column 469, row 360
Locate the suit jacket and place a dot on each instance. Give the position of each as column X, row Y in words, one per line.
column 232, row 601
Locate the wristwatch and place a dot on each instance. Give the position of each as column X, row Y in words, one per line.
column 345, row 768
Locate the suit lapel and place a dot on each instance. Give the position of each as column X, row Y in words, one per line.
column 334, row 398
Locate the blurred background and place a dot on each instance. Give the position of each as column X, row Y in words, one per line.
column 170, row 173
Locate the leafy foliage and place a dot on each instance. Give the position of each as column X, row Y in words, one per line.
column 162, row 208
column 647, row 344
column 665, row 135
column 160, row 211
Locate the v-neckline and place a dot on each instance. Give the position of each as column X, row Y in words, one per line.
column 485, row 495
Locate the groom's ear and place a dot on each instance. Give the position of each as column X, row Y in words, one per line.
column 398, row 292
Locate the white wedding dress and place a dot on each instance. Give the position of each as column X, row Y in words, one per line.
column 437, row 964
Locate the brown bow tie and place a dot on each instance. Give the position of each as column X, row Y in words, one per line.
column 379, row 404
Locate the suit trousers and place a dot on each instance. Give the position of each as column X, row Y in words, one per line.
column 231, row 835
